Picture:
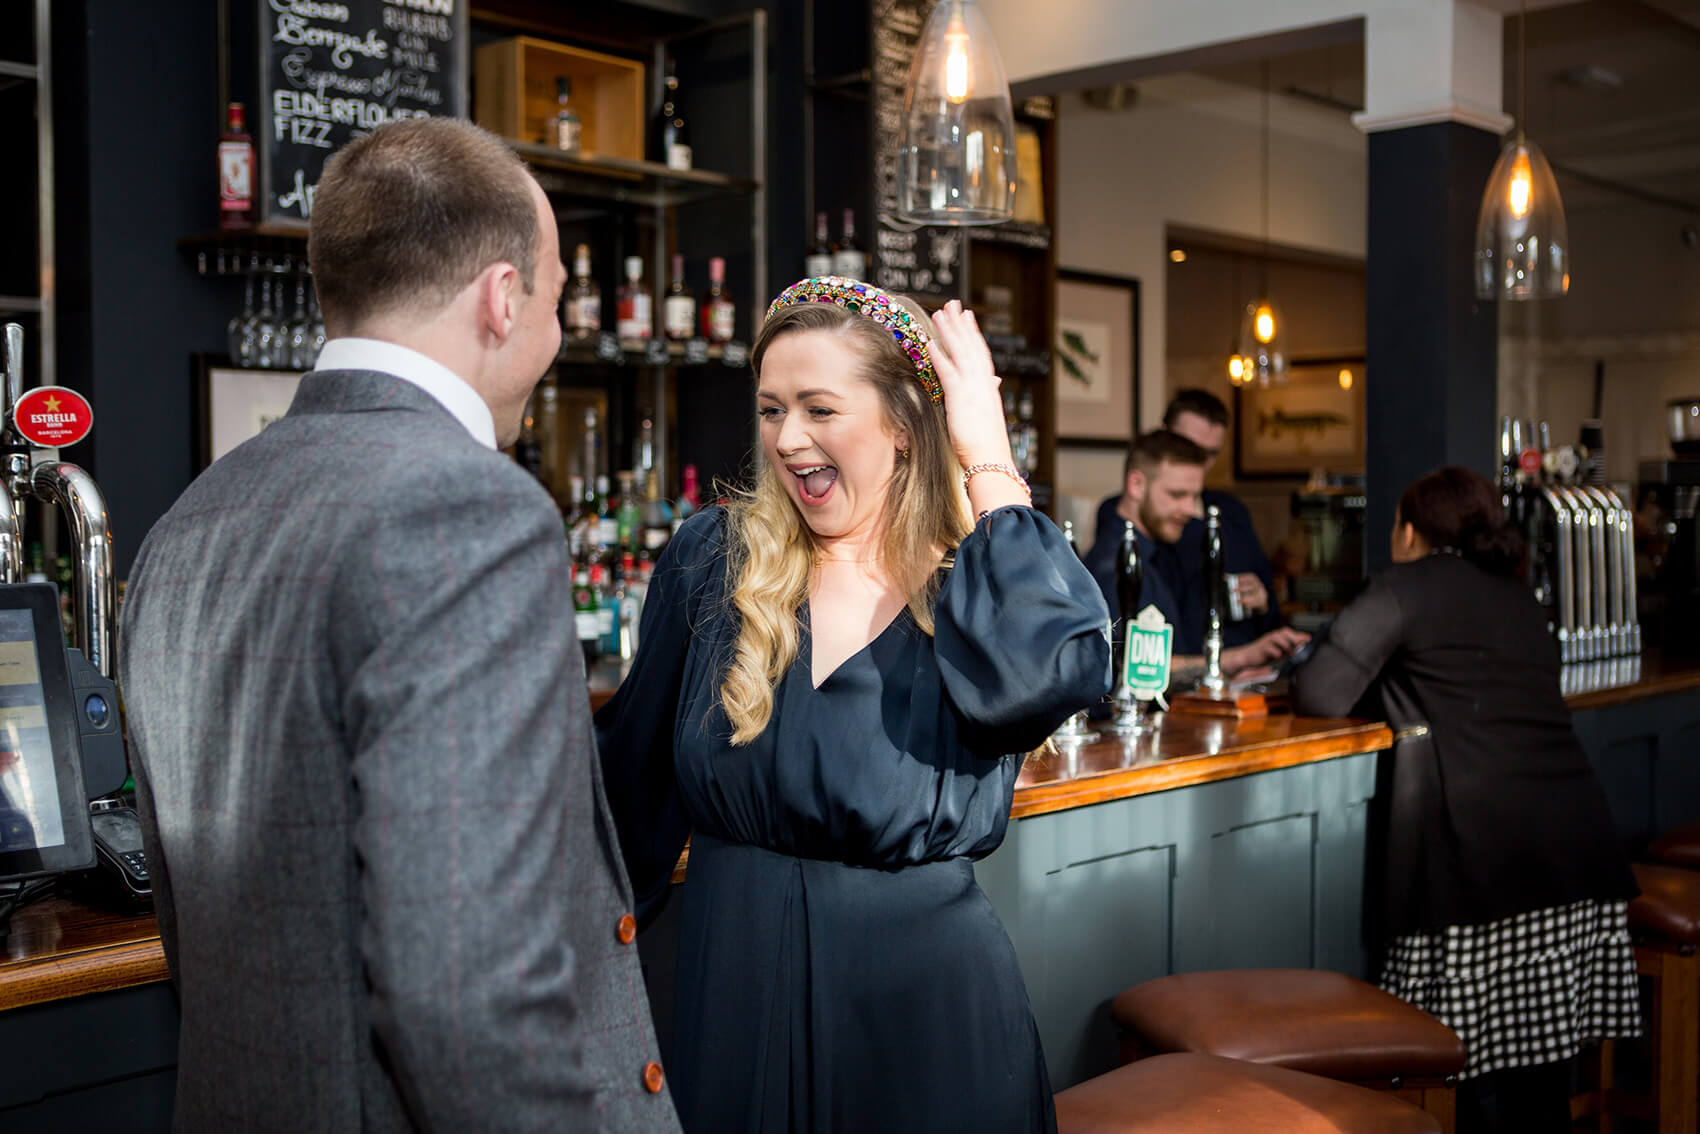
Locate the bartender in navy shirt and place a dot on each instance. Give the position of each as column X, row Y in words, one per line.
column 1163, row 483
column 1201, row 418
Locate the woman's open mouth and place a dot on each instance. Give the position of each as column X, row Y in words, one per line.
column 814, row 482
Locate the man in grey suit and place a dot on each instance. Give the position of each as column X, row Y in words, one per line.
column 387, row 881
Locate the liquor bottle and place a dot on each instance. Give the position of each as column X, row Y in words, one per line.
column 688, row 499
column 634, row 319
column 568, row 128
column 572, row 517
column 628, row 518
column 636, row 589
column 679, row 309
column 235, row 172
column 672, row 134
column 849, row 260
column 611, row 594
column 657, row 516
column 719, row 314
column 819, row 260
column 643, row 449
column 527, row 451
column 584, row 298
column 607, row 521
column 587, row 610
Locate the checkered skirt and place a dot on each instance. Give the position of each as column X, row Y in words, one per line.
column 1528, row 989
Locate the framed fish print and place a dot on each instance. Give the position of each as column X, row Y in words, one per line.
column 1314, row 420
column 1095, row 371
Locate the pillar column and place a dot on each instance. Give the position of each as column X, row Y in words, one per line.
column 1432, row 94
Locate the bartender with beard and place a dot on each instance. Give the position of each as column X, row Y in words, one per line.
column 1163, row 484
column 1200, row 417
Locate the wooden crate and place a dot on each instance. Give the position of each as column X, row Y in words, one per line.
column 514, row 94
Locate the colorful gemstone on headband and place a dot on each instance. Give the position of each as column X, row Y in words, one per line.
column 863, row 299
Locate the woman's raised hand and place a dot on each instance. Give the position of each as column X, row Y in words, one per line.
column 973, row 407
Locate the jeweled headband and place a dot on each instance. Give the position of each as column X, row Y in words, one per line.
column 868, row 300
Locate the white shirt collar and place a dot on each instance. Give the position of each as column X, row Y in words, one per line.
column 448, row 388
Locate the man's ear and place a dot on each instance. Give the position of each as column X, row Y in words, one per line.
column 498, row 296
column 1135, row 486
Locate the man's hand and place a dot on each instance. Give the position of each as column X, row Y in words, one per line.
column 1273, row 646
column 1254, row 596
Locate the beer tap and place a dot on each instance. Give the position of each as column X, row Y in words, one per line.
column 1130, row 583
column 1215, row 580
column 74, row 491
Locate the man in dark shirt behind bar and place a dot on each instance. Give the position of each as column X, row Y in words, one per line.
column 1201, row 418
column 387, row 881
column 1163, row 483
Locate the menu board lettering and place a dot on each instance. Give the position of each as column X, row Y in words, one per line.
column 332, row 71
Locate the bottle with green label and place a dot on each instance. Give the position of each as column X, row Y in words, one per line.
column 587, row 609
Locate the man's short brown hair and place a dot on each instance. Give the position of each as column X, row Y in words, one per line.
column 1195, row 401
column 1162, row 446
column 411, row 213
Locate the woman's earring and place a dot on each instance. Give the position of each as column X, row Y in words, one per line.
column 903, row 454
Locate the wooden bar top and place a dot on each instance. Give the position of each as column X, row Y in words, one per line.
column 60, row 947
column 1183, row 751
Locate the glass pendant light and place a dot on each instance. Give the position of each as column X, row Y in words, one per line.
column 1522, row 239
column 956, row 150
column 1258, row 357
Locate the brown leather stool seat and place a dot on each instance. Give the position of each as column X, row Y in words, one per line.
column 1680, row 847
column 1669, row 906
column 1205, row 1094
column 1665, row 921
column 1325, row 1023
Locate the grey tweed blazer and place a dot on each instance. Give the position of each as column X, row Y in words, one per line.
column 388, row 885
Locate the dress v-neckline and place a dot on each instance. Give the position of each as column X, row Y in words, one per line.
column 808, row 655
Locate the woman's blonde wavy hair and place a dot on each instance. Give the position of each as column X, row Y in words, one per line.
column 772, row 551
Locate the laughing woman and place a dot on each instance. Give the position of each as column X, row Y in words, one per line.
column 838, row 676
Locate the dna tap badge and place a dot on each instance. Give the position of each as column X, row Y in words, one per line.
column 1150, row 644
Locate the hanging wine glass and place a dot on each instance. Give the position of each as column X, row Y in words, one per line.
column 300, row 327
column 239, row 334
column 266, row 329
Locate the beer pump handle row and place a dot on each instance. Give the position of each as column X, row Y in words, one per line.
column 25, row 472
column 1581, row 540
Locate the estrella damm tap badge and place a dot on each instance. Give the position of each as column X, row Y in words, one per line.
column 52, row 417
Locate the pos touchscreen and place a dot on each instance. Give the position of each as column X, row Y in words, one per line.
column 44, row 815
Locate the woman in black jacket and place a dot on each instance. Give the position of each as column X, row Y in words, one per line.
column 1503, row 888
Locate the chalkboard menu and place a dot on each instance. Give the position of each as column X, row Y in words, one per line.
column 920, row 260
column 331, row 70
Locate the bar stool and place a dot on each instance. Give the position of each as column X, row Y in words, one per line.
column 1678, row 847
column 1205, row 1094
column 1323, row 1023
column 1665, row 920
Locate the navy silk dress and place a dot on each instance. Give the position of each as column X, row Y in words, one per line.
column 839, row 969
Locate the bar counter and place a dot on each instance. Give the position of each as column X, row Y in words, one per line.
column 1213, row 843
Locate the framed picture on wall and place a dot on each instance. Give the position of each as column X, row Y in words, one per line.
column 233, row 404
column 1314, row 420
column 1095, row 375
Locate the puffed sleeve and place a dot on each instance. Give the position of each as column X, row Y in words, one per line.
column 1020, row 632
column 635, row 729
column 1343, row 665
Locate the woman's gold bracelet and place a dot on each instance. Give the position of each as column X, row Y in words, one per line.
column 1010, row 471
